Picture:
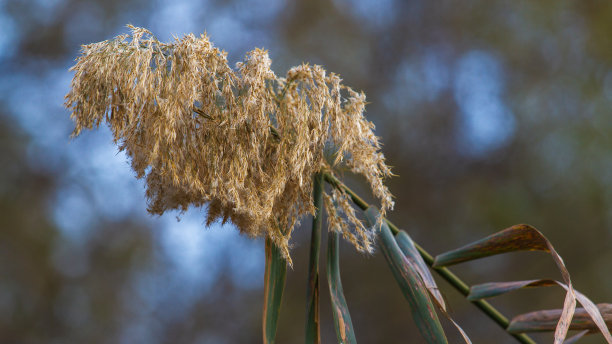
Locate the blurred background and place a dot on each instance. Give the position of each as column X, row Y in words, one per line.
column 492, row 113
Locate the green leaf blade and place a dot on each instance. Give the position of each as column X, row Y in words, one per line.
column 340, row 311
column 407, row 276
column 274, row 285
column 491, row 289
column 313, row 335
column 409, row 249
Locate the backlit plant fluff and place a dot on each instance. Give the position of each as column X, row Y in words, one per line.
column 244, row 142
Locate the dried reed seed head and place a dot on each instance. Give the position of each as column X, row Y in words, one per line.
column 243, row 141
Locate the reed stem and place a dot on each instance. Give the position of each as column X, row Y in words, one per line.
column 312, row 294
column 445, row 273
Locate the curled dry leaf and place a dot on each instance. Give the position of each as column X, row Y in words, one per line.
column 526, row 238
column 598, row 318
column 547, row 320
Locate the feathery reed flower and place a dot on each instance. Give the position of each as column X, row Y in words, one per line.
column 245, row 142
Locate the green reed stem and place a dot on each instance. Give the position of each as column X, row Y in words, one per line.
column 445, row 273
column 312, row 293
column 342, row 317
column 274, row 284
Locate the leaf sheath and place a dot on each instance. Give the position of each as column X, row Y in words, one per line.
column 274, row 284
column 340, row 311
column 409, row 280
column 312, row 293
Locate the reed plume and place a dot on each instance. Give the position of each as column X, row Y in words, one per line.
column 242, row 141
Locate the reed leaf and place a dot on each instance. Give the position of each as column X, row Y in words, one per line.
column 312, row 293
column 596, row 318
column 445, row 273
column 274, row 284
column 410, row 282
column 408, row 248
column 340, row 311
column 573, row 339
column 516, row 238
column 526, row 238
column 546, row 320
column 411, row 252
column 485, row 290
